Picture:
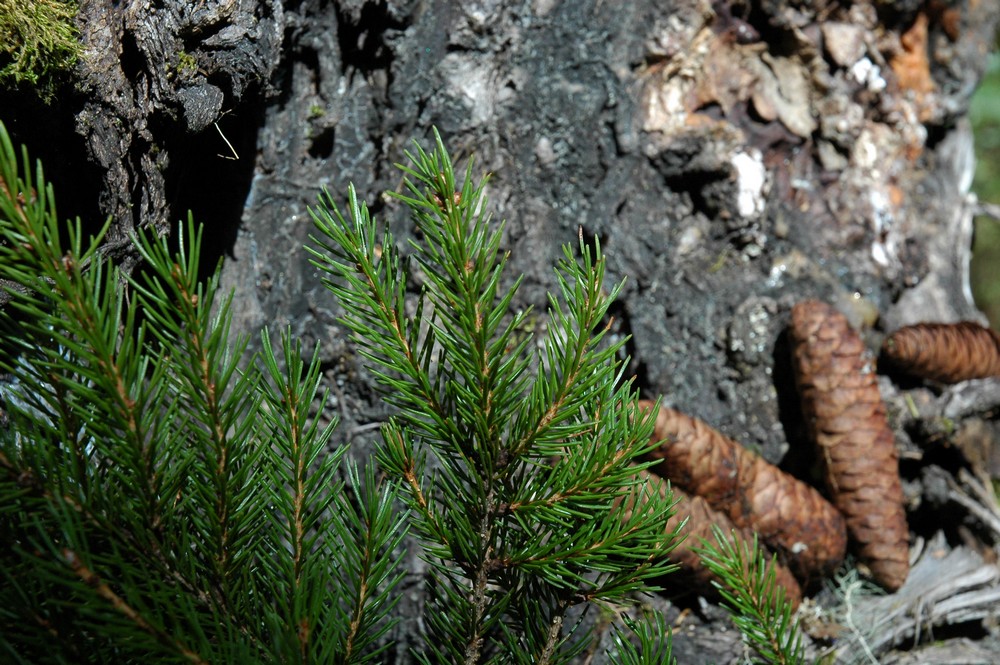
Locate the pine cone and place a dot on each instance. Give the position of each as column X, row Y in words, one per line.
column 945, row 352
column 701, row 517
column 847, row 420
column 791, row 517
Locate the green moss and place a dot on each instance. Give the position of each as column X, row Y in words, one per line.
column 38, row 41
column 186, row 63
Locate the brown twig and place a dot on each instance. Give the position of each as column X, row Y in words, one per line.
column 92, row 580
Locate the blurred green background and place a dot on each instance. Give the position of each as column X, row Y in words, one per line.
column 985, row 268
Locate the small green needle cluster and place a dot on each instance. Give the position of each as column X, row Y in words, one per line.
column 756, row 604
column 654, row 646
column 164, row 495
column 516, row 456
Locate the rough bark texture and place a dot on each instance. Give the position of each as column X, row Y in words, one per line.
column 151, row 135
column 790, row 516
column 846, row 418
column 733, row 157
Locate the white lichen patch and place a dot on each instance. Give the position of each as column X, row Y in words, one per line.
column 865, row 154
column 477, row 86
column 884, row 246
column 868, row 74
column 689, row 240
column 751, row 183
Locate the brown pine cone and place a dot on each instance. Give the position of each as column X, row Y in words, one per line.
column 847, row 420
column 945, row 352
column 701, row 517
column 791, row 517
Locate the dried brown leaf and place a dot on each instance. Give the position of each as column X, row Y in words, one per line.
column 945, row 352
column 847, row 420
column 790, row 517
column 911, row 64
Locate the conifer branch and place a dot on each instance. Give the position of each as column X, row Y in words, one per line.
column 757, row 605
column 519, row 517
column 102, row 588
column 653, row 635
column 158, row 482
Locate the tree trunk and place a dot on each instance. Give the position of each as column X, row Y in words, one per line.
column 732, row 158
